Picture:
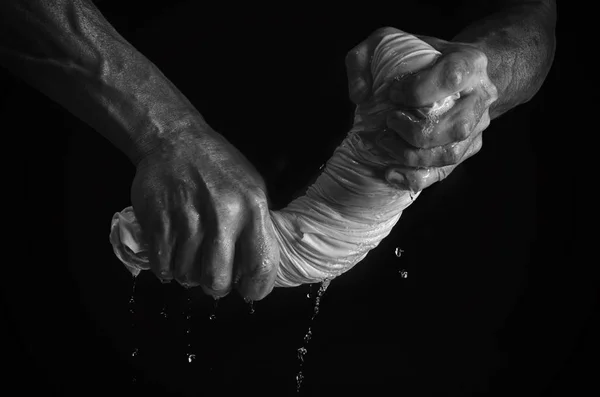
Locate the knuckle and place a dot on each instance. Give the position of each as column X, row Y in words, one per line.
column 462, row 130
column 231, row 206
column 257, row 200
column 454, row 72
column 412, row 158
column 481, row 59
column 452, row 154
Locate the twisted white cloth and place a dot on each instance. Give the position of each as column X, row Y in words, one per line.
column 350, row 208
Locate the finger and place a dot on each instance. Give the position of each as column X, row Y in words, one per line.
column 161, row 246
column 410, row 156
column 450, row 74
column 418, row 179
column 454, row 125
column 260, row 257
column 358, row 70
column 422, row 179
column 186, row 255
column 216, row 267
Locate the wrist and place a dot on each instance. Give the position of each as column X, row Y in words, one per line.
column 168, row 141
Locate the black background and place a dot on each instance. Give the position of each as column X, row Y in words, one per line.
column 494, row 302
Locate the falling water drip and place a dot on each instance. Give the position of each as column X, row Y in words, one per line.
column 213, row 315
column 398, row 252
column 309, row 291
column 403, row 273
column 299, row 379
column 320, row 293
column 308, row 335
column 251, row 303
column 303, row 350
column 135, row 350
column 163, row 312
column 190, row 356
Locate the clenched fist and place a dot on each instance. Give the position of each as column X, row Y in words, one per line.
column 203, row 211
column 430, row 144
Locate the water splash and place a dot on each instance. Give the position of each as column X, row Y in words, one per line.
column 303, row 350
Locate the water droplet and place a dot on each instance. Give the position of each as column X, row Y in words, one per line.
column 299, row 379
column 131, row 300
column 403, row 273
column 301, row 353
column 133, row 380
column 212, row 317
column 308, row 336
column 191, row 357
column 322, row 166
column 398, row 252
column 134, row 352
column 251, row 307
column 188, row 331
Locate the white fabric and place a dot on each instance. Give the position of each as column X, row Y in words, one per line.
column 350, row 208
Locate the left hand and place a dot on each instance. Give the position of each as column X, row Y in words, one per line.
column 431, row 147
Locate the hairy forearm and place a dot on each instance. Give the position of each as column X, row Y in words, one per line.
column 67, row 50
column 519, row 43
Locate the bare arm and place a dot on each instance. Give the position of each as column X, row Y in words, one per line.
column 519, row 43
column 67, row 50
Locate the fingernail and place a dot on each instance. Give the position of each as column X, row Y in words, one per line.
column 394, row 177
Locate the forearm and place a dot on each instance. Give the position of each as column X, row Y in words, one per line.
column 519, row 43
column 67, row 50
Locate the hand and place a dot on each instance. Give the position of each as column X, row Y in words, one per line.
column 430, row 146
column 203, row 211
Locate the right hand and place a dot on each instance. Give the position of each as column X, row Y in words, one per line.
column 204, row 215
